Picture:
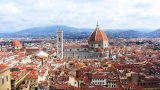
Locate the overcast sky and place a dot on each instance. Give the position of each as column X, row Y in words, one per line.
column 20, row 14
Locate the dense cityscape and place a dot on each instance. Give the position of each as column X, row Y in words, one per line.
column 79, row 44
column 94, row 63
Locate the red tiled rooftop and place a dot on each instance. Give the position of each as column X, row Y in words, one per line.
column 3, row 67
column 98, row 35
column 16, row 43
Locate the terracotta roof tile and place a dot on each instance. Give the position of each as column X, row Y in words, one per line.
column 98, row 35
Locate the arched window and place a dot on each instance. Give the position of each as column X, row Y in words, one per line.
column 59, row 39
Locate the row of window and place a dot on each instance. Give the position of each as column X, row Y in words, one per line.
column 99, row 45
column 113, row 83
column 73, row 49
column 99, row 83
column 77, row 57
column 112, row 86
column 97, row 79
column 3, row 79
column 103, row 79
column 31, row 81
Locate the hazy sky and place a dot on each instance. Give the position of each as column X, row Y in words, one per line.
column 20, row 14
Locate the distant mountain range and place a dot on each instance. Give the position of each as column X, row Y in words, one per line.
column 154, row 34
column 72, row 32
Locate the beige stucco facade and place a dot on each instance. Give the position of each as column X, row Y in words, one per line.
column 5, row 83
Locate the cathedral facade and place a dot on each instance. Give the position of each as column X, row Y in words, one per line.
column 96, row 48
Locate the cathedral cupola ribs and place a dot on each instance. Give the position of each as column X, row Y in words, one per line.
column 98, row 35
column 98, row 39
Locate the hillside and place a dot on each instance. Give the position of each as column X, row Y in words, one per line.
column 154, row 34
column 79, row 33
column 50, row 31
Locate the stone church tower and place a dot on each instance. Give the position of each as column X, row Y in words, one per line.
column 59, row 44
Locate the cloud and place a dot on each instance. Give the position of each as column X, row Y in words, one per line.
column 20, row 14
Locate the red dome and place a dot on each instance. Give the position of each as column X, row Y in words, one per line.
column 98, row 35
column 99, row 50
column 16, row 43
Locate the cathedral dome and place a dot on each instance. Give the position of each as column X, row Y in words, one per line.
column 98, row 35
column 16, row 43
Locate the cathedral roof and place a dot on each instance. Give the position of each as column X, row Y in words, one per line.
column 16, row 43
column 98, row 35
